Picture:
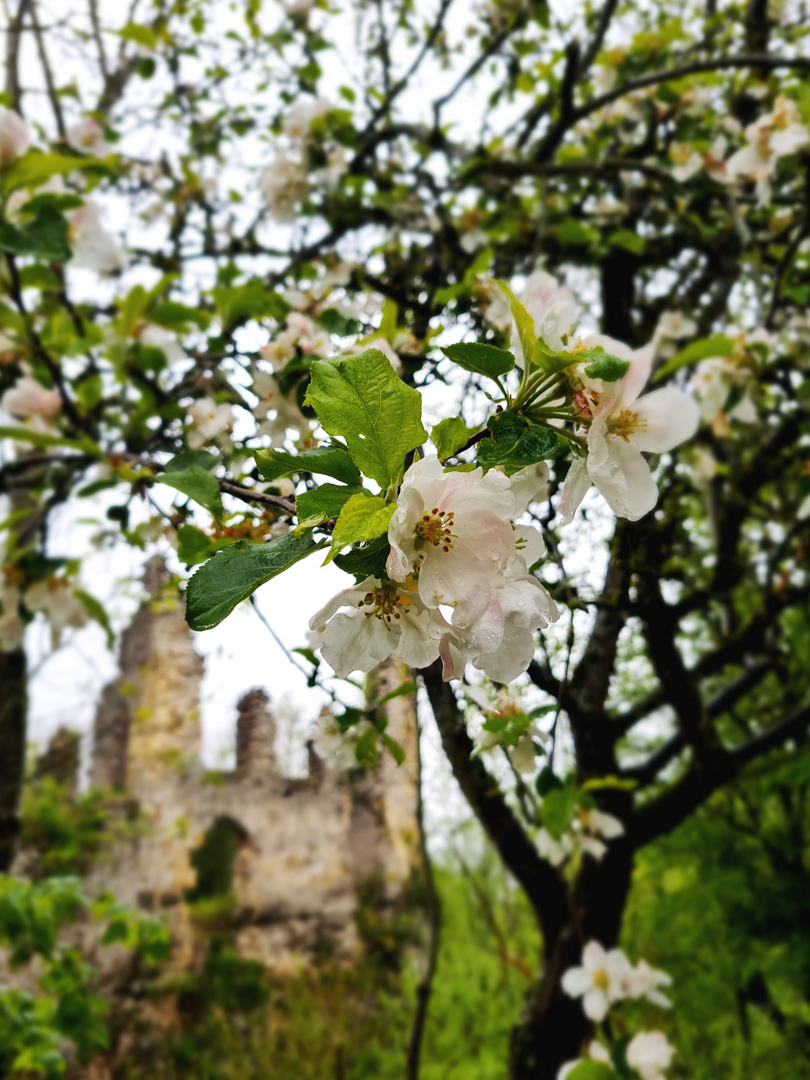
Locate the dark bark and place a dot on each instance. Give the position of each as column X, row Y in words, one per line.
column 13, row 713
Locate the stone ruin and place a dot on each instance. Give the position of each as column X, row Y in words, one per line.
column 284, row 862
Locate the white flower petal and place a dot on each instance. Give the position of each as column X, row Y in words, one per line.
column 668, row 417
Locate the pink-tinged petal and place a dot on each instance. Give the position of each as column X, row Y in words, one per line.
column 574, row 489
column 667, row 417
column 418, row 643
column 511, row 658
column 454, row 659
column 595, row 1006
column 621, row 474
column 576, row 982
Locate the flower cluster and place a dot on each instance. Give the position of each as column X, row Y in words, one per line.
column 587, row 833
column 55, row 597
column 457, row 580
column 313, row 160
column 619, row 424
column 606, row 977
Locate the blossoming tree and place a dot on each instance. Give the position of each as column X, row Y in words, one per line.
column 501, row 309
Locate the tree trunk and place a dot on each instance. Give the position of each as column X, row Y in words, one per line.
column 13, row 713
column 553, row 1027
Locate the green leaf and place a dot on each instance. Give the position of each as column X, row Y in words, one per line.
column 704, row 349
column 335, row 323
column 235, row 573
column 251, row 300
column 195, row 546
column 515, row 443
column 366, row 750
column 34, row 169
column 448, row 436
column 401, row 691
column 366, row 561
column 96, row 610
column 45, row 237
column 394, row 749
column 608, row 368
column 139, row 35
column 523, row 321
column 178, row 316
column 364, row 517
column 202, row 458
column 198, row 484
column 481, row 359
column 363, row 399
column 557, row 810
column 331, row 461
column 37, row 438
column 326, row 501
column 591, row 1070
column 630, row 241
column 90, row 391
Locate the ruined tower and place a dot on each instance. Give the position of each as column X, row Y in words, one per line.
column 285, row 862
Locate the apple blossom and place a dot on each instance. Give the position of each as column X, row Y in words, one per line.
column 29, row 398
column 553, row 308
column 553, row 850
column 649, row 1054
column 774, row 135
column 284, row 185
column 672, row 326
column 87, row 136
column 58, row 602
column 382, row 618
column 93, row 247
column 210, row 423
column 603, row 978
column 454, row 529
column 286, row 414
column 646, row 982
column 300, row 119
column 337, row 747
column 714, row 380
column 14, row 137
column 623, row 426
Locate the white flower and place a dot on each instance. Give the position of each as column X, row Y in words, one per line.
column 313, row 340
column 381, row 618
column 300, row 118
column 56, row 599
column 284, row 409
column 598, row 823
column 553, row 850
column 12, row 626
column 336, row 747
column 603, row 978
column 298, row 8
column 501, row 641
column 157, row 338
column 774, row 135
column 284, row 185
column 87, row 136
column 650, row 1053
column 29, row 398
column 646, row 982
column 454, row 528
column 714, row 379
column 93, row 247
column 623, row 427
column 280, row 350
column 14, row 137
column 553, row 309
column 672, row 326
column 210, row 422
column 687, row 161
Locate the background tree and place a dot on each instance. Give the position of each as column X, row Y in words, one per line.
column 290, row 182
